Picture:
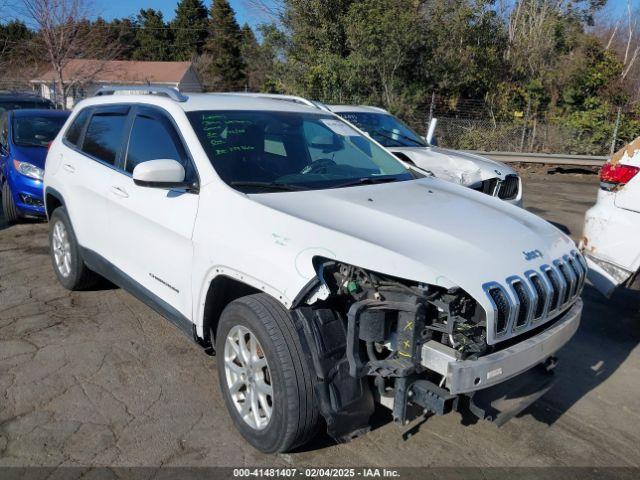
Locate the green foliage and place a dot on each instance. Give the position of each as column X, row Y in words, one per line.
column 15, row 36
column 381, row 50
column 534, row 66
column 258, row 60
column 189, row 29
column 153, row 37
column 116, row 39
column 225, row 69
column 14, row 32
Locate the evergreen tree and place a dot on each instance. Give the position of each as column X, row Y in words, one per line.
column 123, row 31
column 253, row 60
column 189, row 29
column 16, row 45
column 225, row 69
column 108, row 40
column 154, row 38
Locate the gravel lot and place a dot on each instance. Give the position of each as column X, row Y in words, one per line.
column 97, row 378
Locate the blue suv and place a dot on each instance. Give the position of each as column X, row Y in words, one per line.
column 25, row 136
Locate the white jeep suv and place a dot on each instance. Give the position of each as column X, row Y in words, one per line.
column 322, row 270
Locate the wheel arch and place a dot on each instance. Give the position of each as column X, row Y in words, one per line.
column 52, row 200
column 221, row 291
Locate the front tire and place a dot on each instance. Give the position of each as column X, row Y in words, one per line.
column 11, row 212
column 66, row 256
column 265, row 379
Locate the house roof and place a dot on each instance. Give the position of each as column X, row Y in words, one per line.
column 119, row 71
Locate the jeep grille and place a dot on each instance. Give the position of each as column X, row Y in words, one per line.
column 524, row 302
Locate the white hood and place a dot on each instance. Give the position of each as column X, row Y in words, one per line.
column 457, row 167
column 424, row 230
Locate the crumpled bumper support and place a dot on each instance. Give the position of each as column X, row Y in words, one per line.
column 464, row 376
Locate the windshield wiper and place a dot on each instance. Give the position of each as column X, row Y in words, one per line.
column 269, row 186
column 366, row 181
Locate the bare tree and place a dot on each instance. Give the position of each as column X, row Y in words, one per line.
column 530, row 30
column 621, row 35
column 266, row 10
column 66, row 34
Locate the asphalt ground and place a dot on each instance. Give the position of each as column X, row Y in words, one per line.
column 97, row 378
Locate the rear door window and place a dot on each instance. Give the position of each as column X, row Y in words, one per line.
column 104, row 134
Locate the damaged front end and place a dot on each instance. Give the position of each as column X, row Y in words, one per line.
column 365, row 332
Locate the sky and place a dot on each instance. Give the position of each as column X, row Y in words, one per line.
column 245, row 11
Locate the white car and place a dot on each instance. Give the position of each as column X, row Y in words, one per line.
column 473, row 171
column 612, row 226
column 324, row 272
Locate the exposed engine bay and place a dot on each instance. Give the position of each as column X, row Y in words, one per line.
column 364, row 332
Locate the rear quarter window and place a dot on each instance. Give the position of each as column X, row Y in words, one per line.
column 103, row 137
column 72, row 135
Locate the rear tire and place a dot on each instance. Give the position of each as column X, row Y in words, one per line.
column 293, row 416
column 66, row 255
column 11, row 213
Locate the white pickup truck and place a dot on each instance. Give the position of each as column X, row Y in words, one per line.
column 324, row 273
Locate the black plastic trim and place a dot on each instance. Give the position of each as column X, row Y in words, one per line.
column 55, row 193
column 305, row 292
column 103, row 267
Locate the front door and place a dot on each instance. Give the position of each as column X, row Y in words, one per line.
column 151, row 228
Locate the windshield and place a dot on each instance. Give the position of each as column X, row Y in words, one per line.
column 21, row 104
column 260, row 151
column 385, row 129
column 36, row 131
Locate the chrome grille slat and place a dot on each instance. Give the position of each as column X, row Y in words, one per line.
column 568, row 277
column 502, row 305
column 524, row 298
column 575, row 273
column 577, row 261
column 541, row 292
column 557, row 288
column 537, row 297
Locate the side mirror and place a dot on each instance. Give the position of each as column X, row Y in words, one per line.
column 159, row 174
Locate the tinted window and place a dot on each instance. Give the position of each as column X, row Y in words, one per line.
column 73, row 132
column 4, row 133
column 291, row 149
column 104, row 135
column 152, row 139
column 36, row 131
column 20, row 104
column 385, row 129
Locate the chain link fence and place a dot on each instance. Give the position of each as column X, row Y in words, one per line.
column 470, row 125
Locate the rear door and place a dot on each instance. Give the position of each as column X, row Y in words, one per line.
column 151, row 228
column 93, row 147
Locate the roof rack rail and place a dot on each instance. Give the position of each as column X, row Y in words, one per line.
column 172, row 93
column 285, row 98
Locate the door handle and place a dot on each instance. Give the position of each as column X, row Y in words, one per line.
column 69, row 168
column 120, row 192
